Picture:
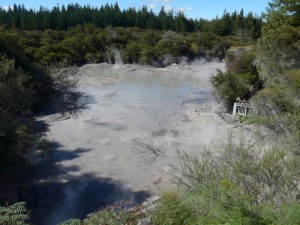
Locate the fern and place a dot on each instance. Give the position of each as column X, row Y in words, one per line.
column 15, row 214
column 72, row 222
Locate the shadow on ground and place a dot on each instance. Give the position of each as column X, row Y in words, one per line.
column 54, row 201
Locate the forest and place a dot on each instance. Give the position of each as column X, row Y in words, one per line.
column 79, row 35
column 87, row 44
column 64, row 17
column 245, row 185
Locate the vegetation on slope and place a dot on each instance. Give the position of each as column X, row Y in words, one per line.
column 89, row 44
column 276, row 63
column 25, row 88
column 240, row 76
column 243, row 185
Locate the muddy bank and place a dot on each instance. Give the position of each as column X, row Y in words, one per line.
column 97, row 156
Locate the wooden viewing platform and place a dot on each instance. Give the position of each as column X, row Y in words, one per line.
column 241, row 109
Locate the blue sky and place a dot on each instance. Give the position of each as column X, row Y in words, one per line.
column 207, row 9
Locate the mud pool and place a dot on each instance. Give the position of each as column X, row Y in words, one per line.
column 97, row 156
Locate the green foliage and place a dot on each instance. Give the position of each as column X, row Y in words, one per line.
column 25, row 89
column 245, row 27
column 286, row 214
column 293, row 81
column 220, row 203
column 121, row 213
column 284, row 126
column 15, row 214
column 15, row 90
column 278, row 50
column 242, row 63
column 110, row 217
column 87, row 43
column 172, row 211
column 63, row 94
column 16, row 101
column 71, row 222
column 240, row 185
column 239, row 78
column 273, row 100
column 266, row 176
column 281, row 13
column 228, row 86
column 131, row 53
column 278, row 62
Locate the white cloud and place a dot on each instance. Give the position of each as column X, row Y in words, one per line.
column 152, row 6
column 185, row 9
column 168, row 8
column 162, row 1
column 157, row 4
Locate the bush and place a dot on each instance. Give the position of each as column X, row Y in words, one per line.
column 273, row 100
column 15, row 214
column 228, row 86
column 120, row 213
column 72, row 222
column 241, row 63
column 110, row 217
column 265, row 175
column 172, row 211
column 292, row 78
column 286, row 214
column 238, row 80
column 239, row 185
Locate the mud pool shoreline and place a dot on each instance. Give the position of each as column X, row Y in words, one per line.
column 98, row 160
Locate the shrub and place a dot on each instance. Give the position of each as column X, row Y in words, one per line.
column 273, row 100
column 110, row 217
column 120, row 213
column 228, row 86
column 241, row 63
column 238, row 80
column 265, row 175
column 72, row 222
column 238, row 184
column 286, row 214
column 172, row 211
column 15, row 214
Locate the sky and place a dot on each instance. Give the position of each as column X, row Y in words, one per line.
column 207, row 9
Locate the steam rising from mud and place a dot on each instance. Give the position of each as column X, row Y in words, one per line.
column 117, row 57
column 171, row 107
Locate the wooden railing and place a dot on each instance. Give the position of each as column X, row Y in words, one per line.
column 241, row 109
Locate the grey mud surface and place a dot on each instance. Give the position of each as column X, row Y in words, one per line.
column 98, row 160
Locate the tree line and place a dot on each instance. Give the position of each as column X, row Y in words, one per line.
column 64, row 17
column 89, row 44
